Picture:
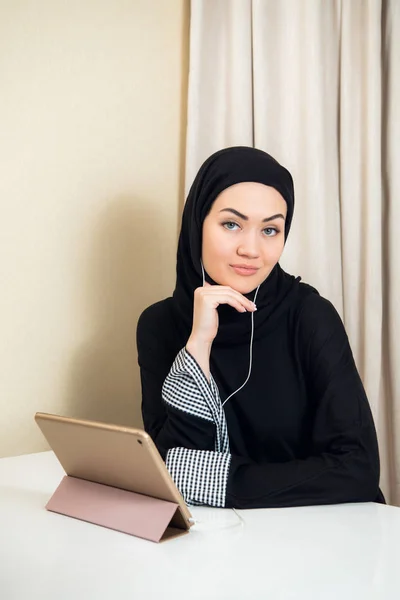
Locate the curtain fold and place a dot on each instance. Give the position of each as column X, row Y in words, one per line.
column 317, row 85
column 220, row 96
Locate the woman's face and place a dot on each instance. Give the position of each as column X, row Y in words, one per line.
column 244, row 235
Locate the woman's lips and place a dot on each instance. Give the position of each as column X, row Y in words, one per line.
column 244, row 270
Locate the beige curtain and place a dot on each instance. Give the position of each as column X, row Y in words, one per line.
column 317, row 84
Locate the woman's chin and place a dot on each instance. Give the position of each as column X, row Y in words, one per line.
column 245, row 284
column 243, row 287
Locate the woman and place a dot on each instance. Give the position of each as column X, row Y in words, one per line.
column 250, row 390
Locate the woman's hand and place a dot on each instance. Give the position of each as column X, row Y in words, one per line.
column 205, row 319
column 205, row 315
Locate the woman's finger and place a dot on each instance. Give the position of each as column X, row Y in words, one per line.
column 221, row 293
column 238, row 303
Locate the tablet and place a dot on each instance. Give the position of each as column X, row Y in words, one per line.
column 112, row 455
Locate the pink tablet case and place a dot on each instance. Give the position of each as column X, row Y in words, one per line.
column 111, row 507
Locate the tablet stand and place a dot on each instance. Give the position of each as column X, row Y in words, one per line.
column 129, row 512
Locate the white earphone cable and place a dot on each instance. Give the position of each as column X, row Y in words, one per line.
column 251, row 342
column 202, row 270
column 251, row 354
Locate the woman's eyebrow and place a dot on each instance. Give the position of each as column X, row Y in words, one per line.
column 238, row 214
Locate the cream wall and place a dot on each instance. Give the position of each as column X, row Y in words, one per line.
column 91, row 149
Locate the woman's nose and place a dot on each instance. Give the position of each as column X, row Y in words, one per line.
column 248, row 247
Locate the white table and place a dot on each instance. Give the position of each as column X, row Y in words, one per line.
column 345, row 552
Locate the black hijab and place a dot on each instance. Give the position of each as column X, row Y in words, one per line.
column 221, row 170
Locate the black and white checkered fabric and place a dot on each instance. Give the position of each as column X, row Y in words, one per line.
column 200, row 475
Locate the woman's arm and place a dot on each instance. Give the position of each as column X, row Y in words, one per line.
column 166, row 422
column 155, row 337
column 184, row 416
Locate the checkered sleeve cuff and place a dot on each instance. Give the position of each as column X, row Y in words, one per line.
column 186, row 388
column 200, row 475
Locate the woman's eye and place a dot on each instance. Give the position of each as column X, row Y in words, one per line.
column 270, row 231
column 230, row 225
